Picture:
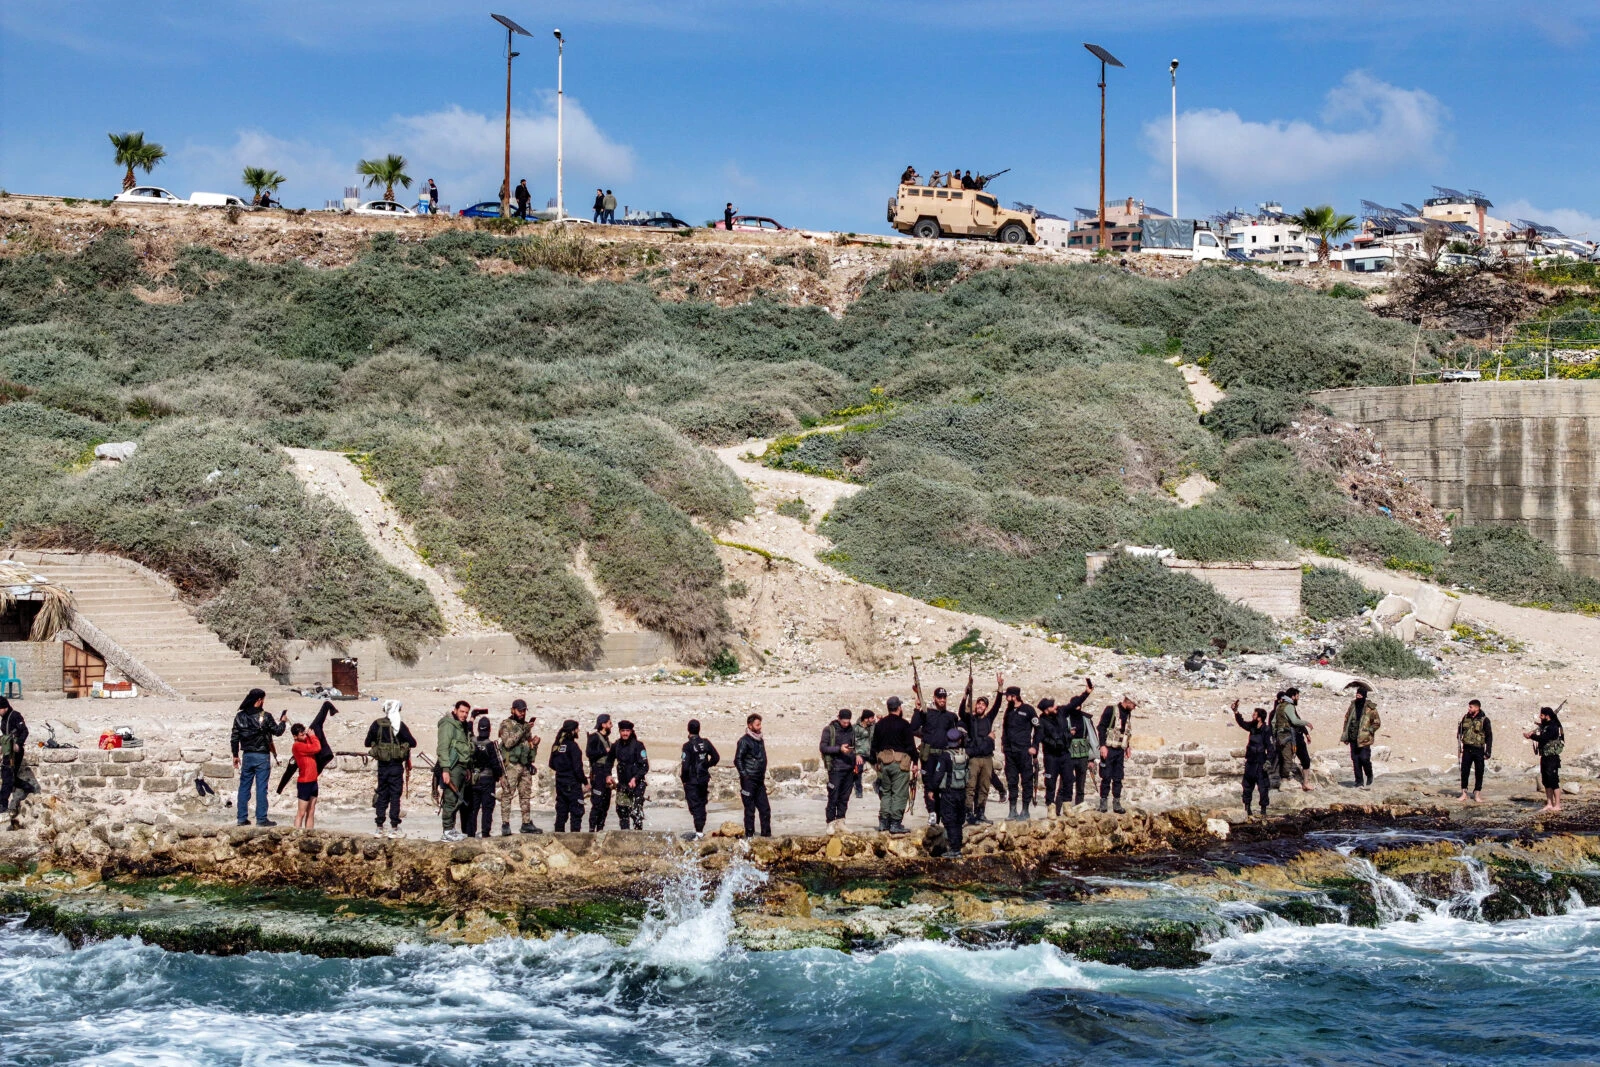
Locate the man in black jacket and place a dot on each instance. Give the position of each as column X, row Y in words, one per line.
column 1116, row 738
column 251, row 743
column 1019, row 739
column 1056, row 728
column 978, row 721
column 892, row 746
column 602, row 763
column 632, row 765
column 1259, row 751
column 566, row 761
column 838, row 748
column 15, row 777
column 750, row 760
column 932, row 727
column 389, row 743
column 699, row 756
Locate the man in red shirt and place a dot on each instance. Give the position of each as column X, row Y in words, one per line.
column 306, row 747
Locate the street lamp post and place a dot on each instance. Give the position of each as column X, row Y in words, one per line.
column 1105, row 58
column 1174, row 70
column 561, row 43
column 505, row 184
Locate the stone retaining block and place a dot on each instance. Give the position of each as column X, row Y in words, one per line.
column 58, row 755
column 127, row 755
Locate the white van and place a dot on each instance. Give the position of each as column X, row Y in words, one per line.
column 218, row 200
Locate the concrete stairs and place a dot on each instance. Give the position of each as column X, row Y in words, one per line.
column 141, row 611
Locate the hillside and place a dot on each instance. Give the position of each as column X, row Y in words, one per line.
column 1002, row 415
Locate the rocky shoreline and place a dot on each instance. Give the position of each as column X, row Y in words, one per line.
column 1139, row 890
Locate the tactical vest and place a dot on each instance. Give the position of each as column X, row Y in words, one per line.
column 1553, row 747
column 387, row 748
column 957, row 777
column 1472, row 731
column 1079, row 748
column 1117, row 733
column 1281, row 726
column 519, row 753
column 7, row 746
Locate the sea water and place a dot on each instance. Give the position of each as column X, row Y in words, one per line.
column 1427, row 986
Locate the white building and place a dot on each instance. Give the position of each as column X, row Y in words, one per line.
column 1052, row 231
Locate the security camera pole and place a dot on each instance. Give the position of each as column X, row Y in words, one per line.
column 1105, row 58
column 505, row 185
column 1174, row 70
column 561, row 211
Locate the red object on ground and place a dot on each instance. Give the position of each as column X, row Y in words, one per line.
column 110, row 740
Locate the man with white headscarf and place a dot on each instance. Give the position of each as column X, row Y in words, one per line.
column 389, row 742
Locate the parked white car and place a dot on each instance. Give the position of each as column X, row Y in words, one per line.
column 383, row 207
column 149, row 194
column 219, row 200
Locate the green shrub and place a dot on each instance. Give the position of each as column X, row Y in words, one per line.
column 1250, row 411
column 796, row 509
column 1210, row 533
column 1382, row 656
column 1509, row 563
column 972, row 644
column 1329, row 593
column 723, row 664
column 1138, row 604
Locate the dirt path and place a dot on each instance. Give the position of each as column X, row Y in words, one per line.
column 782, row 534
column 332, row 475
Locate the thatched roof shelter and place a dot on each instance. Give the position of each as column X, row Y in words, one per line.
column 20, row 583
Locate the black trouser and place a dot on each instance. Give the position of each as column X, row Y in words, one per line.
column 930, row 795
column 631, row 814
column 1056, row 783
column 753, row 791
column 695, row 793
column 952, row 814
column 1550, row 771
column 841, row 776
column 1361, row 761
column 1257, row 778
column 859, row 772
column 599, row 802
column 1111, row 773
column 569, row 804
column 480, row 806
column 391, row 783
column 1020, row 775
column 1472, row 762
column 1077, row 778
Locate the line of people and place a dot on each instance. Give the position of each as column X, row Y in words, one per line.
column 952, row 179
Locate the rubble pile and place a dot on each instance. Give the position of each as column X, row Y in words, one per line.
column 1376, row 486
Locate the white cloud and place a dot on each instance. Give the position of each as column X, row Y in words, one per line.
column 1367, row 127
column 462, row 150
column 1570, row 221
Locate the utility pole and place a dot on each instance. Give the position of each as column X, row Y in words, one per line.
column 561, row 44
column 1174, row 71
column 505, row 184
column 1104, row 57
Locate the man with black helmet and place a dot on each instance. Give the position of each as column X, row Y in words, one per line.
column 632, row 765
column 699, row 756
column 838, row 748
column 602, row 763
column 1019, row 738
column 519, row 747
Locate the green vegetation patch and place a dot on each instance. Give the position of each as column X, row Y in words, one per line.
column 1383, row 656
column 1329, row 593
column 1508, row 563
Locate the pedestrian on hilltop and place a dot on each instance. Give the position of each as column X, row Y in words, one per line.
column 251, row 743
column 727, row 216
column 1474, row 746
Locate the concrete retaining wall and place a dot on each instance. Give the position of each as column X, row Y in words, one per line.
column 447, row 658
column 39, row 664
column 1271, row 587
column 1506, row 453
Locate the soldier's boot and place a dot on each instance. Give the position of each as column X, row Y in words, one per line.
column 883, row 823
column 1025, row 815
column 505, row 829
column 1116, row 806
column 1012, row 814
column 1102, row 804
column 1059, row 806
column 529, row 828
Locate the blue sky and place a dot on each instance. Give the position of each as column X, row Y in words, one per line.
column 807, row 110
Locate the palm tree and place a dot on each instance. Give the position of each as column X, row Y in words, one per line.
column 261, row 179
column 1327, row 225
column 387, row 172
column 134, row 151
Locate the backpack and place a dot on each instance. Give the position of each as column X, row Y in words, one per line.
column 387, row 748
column 483, row 760
column 957, row 776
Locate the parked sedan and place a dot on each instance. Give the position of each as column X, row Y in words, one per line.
column 488, row 209
column 754, row 223
column 660, row 221
column 384, row 208
column 149, row 194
